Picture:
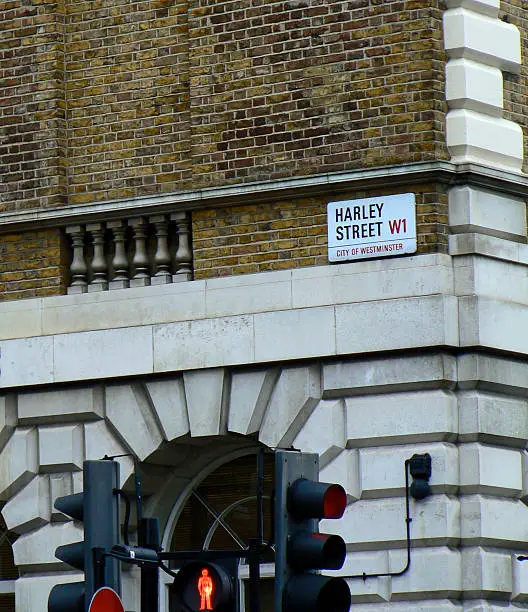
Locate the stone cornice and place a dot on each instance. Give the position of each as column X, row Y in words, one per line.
column 329, row 185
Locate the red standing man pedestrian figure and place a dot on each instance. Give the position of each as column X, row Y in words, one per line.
column 205, row 588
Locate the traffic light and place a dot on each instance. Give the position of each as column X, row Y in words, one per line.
column 300, row 550
column 98, row 508
column 206, row 586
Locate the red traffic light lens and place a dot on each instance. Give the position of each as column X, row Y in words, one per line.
column 312, row 499
column 334, row 502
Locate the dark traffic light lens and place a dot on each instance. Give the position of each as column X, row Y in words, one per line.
column 316, row 593
column 316, row 551
column 334, row 502
column 334, row 596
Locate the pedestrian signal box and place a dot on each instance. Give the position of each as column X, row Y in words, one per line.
column 207, row 587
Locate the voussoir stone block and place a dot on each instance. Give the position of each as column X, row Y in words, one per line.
column 8, row 417
column 128, row 410
column 61, row 448
column 294, row 397
column 18, row 461
column 36, row 549
column 100, row 442
column 60, row 406
column 400, row 418
column 59, row 486
column 324, row 432
column 168, row 400
column 344, row 470
column 30, row 508
column 206, row 401
column 250, row 394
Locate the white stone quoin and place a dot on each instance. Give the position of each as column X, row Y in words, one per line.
column 480, row 46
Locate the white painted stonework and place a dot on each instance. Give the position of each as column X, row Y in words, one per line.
column 480, row 46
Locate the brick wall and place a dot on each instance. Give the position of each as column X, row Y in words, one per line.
column 128, row 98
column 118, row 99
column 32, row 109
column 309, row 86
column 32, row 265
column 516, row 86
column 290, row 234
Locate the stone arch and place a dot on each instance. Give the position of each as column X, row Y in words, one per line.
column 175, row 427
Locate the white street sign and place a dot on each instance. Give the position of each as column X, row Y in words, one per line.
column 371, row 227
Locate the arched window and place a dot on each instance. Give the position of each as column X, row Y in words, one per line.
column 221, row 513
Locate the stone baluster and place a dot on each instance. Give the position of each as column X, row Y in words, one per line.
column 183, row 257
column 162, row 258
column 140, row 261
column 78, row 267
column 120, row 259
column 99, row 264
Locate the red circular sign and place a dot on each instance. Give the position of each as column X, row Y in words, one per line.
column 106, row 600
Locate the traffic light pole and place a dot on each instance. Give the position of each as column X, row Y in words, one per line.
column 149, row 538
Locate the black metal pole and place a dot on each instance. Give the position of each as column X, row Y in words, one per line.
column 255, row 544
column 254, row 575
column 148, row 537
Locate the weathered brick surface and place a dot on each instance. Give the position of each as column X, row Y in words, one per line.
column 128, row 98
column 309, row 86
column 291, row 234
column 32, row 265
column 117, row 98
column 32, row 109
column 114, row 99
column 516, row 86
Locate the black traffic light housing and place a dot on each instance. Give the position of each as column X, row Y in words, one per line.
column 206, row 585
column 300, row 550
column 420, row 468
column 98, row 508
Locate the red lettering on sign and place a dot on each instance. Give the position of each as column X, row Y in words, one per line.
column 395, row 225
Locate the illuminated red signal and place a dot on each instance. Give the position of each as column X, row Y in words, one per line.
column 334, row 502
column 206, row 589
column 313, row 499
column 207, row 586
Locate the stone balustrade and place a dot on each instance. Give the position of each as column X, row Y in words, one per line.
column 135, row 252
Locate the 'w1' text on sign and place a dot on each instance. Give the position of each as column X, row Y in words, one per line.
column 372, row 227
